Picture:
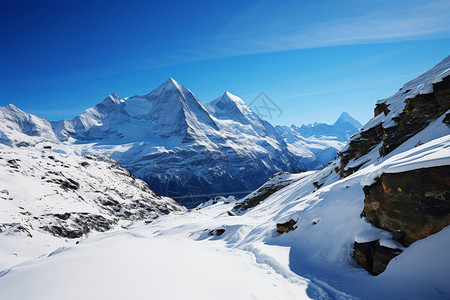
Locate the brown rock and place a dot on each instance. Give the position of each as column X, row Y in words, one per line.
column 416, row 202
column 373, row 257
column 381, row 108
column 447, row 119
column 286, row 227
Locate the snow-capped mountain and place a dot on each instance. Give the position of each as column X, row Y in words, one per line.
column 19, row 129
column 168, row 138
column 317, row 144
column 182, row 148
column 347, row 124
column 344, row 127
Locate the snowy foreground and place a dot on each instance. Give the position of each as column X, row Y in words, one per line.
column 175, row 257
column 137, row 265
column 181, row 255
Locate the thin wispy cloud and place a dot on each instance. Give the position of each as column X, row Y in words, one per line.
column 269, row 28
column 350, row 86
column 273, row 26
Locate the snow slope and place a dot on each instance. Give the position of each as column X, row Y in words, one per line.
column 138, row 265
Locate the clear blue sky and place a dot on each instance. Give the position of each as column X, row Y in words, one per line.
column 315, row 59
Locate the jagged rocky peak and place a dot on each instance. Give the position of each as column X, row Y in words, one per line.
column 176, row 111
column 231, row 107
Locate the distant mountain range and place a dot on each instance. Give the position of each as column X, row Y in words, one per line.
column 181, row 147
column 317, row 144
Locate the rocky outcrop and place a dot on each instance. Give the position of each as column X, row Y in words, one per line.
column 412, row 204
column 373, row 257
column 359, row 146
column 286, row 227
column 418, row 112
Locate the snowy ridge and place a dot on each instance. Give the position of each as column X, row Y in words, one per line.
column 18, row 128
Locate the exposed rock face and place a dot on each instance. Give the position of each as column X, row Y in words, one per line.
column 359, row 147
column 418, row 112
column 286, row 227
column 413, row 204
column 373, row 257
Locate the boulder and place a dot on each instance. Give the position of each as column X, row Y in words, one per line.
column 286, row 227
column 373, row 257
column 412, row 204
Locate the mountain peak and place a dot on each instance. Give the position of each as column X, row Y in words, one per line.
column 228, row 98
column 168, row 85
column 347, row 122
column 171, row 83
column 345, row 115
column 12, row 107
column 114, row 98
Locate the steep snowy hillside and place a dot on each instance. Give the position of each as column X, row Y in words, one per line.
column 382, row 206
column 317, row 144
column 45, row 193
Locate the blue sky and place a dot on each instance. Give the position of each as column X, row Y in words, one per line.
column 313, row 59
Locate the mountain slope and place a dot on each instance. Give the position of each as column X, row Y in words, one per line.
column 45, row 192
column 19, row 129
column 309, row 233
